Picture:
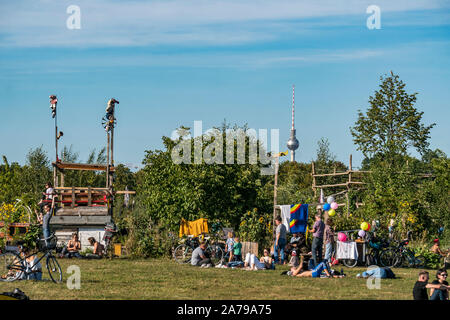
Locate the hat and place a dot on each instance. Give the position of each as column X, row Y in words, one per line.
column 436, row 240
column 294, row 253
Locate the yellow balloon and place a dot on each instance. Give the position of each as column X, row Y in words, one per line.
column 331, row 212
column 364, row 226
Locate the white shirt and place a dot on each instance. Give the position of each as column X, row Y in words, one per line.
column 49, row 193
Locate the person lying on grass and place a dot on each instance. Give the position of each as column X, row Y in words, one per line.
column 252, row 263
column 317, row 272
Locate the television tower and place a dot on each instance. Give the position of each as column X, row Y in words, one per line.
column 293, row 143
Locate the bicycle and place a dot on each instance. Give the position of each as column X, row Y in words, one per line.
column 400, row 256
column 183, row 252
column 13, row 266
column 110, row 231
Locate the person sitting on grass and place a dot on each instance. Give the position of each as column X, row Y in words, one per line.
column 98, row 250
column 200, row 258
column 421, row 286
column 73, row 248
column 440, row 294
column 436, row 249
column 33, row 266
column 267, row 259
column 294, row 262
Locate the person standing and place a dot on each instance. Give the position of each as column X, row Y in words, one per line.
column 317, row 243
column 329, row 240
column 280, row 240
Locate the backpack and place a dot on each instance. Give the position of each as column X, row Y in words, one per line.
column 389, row 273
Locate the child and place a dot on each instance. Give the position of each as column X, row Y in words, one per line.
column 294, row 262
column 46, row 195
column 329, row 240
column 237, row 250
column 229, row 246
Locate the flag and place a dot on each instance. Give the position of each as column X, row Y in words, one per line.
column 299, row 218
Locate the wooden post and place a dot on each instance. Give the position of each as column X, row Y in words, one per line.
column 314, row 179
column 107, row 159
column 73, row 198
column 275, row 196
column 89, row 196
column 347, row 196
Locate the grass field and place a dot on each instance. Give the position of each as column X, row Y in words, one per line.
column 165, row 279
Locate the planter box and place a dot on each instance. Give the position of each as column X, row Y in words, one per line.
column 251, row 247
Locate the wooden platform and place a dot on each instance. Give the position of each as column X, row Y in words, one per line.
column 77, row 221
column 81, row 166
column 82, row 211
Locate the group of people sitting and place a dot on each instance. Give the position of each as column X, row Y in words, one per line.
column 73, row 249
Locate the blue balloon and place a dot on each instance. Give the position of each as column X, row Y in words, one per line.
column 326, row 206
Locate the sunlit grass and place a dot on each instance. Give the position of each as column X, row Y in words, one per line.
column 165, row 279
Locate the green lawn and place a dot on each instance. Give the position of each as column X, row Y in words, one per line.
column 165, row 279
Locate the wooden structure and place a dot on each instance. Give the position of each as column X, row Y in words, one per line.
column 13, row 229
column 347, row 186
column 85, row 209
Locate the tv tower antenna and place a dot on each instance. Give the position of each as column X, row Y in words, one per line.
column 293, row 143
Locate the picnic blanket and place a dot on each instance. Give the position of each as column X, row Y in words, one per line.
column 194, row 228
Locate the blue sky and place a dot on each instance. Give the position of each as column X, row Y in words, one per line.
column 170, row 63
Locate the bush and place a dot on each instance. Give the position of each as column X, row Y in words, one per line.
column 147, row 238
column 433, row 260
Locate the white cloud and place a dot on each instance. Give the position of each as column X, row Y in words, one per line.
column 187, row 22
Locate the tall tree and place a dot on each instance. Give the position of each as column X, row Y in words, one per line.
column 392, row 123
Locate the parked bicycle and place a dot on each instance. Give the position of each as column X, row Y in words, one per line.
column 183, row 252
column 13, row 266
column 401, row 256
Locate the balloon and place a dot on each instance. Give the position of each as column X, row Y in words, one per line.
column 326, row 207
column 361, row 233
column 364, row 226
column 342, row 237
column 331, row 212
column 334, row 205
column 330, row 199
column 368, row 227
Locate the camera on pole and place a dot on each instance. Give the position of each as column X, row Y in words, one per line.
column 53, row 103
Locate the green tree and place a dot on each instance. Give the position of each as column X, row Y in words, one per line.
column 392, row 123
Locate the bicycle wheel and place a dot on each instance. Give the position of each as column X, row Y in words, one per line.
column 182, row 253
column 388, row 258
column 350, row 263
column 10, row 267
column 54, row 270
column 420, row 261
column 215, row 253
